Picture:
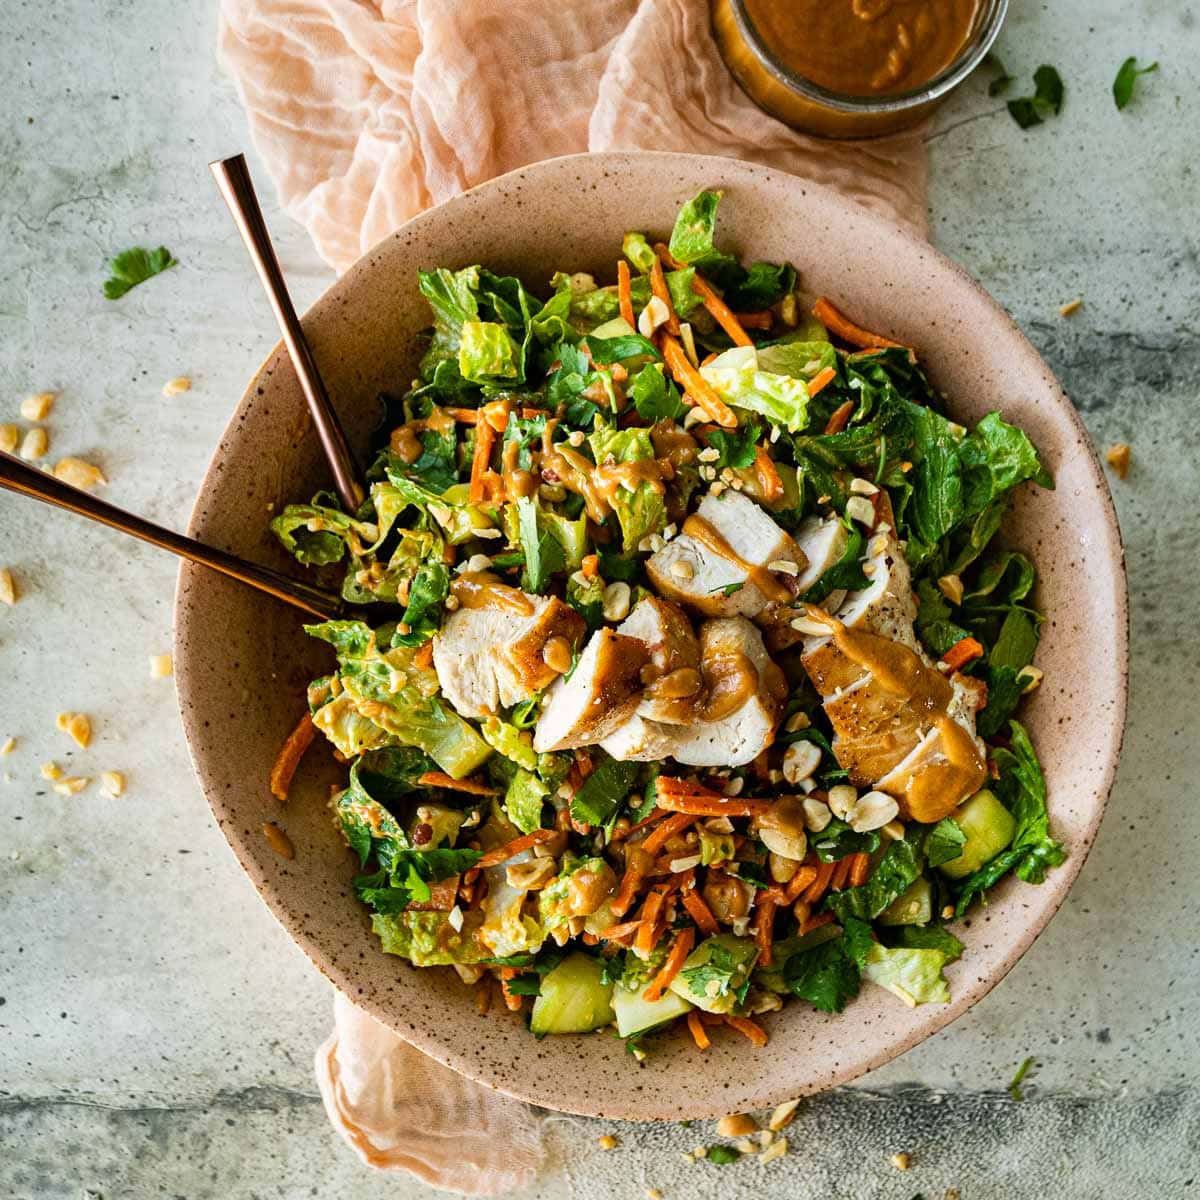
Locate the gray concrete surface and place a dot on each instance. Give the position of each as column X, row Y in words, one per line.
column 156, row 1027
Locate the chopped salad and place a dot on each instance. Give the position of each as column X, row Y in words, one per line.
column 685, row 676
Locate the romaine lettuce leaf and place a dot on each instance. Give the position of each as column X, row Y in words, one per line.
column 388, row 689
column 488, row 355
column 427, row 939
column 523, row 800
column 781, row 398
column 915, row 975
column 642, row 511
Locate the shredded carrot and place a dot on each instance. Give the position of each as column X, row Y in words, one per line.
column 590, row 566
column 756, row 320
column 485, row 437
column 696, row 1028
column 637, row 862
column 674, row 824
column 819, row 885
column 764, row 930
column 681, row 947
column 747, row 1028
column 800, row 882
column 624, row 294
column 290, row 754
column 961, row 653
column 700, row 913
column 442, row 780
column 651, row 928
column 801, row 910
column 703, row 394
column 512, row 1001
column 656, row 815
column 846, row 329
column 493, row 858
column 815, row 922
column 768, row 476
column 423, row 659
column 820, row 380
column 721, row 312
column 840, row 417
column 841, row 873
column 620, row 933
column 860, row 866
column 464, row 416
column 658, row 285
column 717, row 806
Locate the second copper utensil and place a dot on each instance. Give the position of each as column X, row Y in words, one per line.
column 233, row 178
column 17, row 476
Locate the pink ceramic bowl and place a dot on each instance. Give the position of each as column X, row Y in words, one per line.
column 242, row 660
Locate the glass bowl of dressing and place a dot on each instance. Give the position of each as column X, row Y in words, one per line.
column 853, row 68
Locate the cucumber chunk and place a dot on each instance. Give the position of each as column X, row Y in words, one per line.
column 617, row 327
column 635, row 1013
column 914, row 906
column 573, row 998
column 715, row 972
column 989, row 827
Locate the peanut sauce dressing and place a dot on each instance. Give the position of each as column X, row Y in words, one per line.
column 517, row 481
column 865, row 47
column 732, row 680
column 937, row 789
column 482, row 589
column 709, row 536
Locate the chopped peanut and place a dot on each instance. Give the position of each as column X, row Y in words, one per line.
column 1118, row 457
column 8, row 587
column 78, row 473
column 50, row 770
column 181, row 383
column 8, row 746
column 72, row 785
column 1071, row 307
column 35, row 444
column 10, row 436
column 901, row 1161
column 161, row 665
column 736, row 1125
column 783, row 1115
column 112, row 784
column 608, row 1142
column 777, row 1149
column 75, row 724
column 37, row 407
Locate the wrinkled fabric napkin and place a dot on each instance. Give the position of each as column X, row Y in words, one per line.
column 367, row 112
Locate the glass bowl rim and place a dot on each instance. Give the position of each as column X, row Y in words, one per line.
column 975, row 52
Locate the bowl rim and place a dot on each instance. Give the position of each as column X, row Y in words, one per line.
column 969, row 992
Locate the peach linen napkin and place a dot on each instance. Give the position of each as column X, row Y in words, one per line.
column 367, row 112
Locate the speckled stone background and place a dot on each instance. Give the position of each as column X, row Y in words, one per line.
column 156, row 1027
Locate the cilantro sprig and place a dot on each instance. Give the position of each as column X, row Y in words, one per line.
column 135, row 266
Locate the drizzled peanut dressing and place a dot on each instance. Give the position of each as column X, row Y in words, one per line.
column 938, row 788
column 482, row 589
column 709, row 536
column 732, row 680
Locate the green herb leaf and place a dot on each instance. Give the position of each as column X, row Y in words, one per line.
column 1002, row 80
column 1047, row 99
column 603, row 791
column 1014, row 1087
column 1126, row 78
column 944, row 842
column 897, row 869
column 827, row 976
column 723, row 1155
column 736, row 448
column 929, row 937
column 655, row 397
column 543, row 553
column 135, row 266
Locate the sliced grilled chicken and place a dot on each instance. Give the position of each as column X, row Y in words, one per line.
column 718, row 563
column 522, row 669
column 822, row 541
column 601, row 693
column 674, row 687
column 464, row 657
column 494, row 655
column 746, row 695
column 887, row 606
column 641, row 740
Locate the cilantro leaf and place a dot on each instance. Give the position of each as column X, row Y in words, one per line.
column 827, row 976
column 655, row 397
column 722, row 1155
column 543, row 552
column 1003, row 78
column 135, row 266
column 944, row 842
column 1047, row 98
column 603, row 791
column 1122, row 87
column 737, row 448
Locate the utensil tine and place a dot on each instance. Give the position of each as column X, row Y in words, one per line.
column 233, row 178
column 20, row 477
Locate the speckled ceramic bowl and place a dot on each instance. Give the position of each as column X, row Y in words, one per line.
column 242, row 660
